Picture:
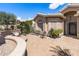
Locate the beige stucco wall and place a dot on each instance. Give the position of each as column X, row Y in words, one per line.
column 48, row 23
column 55, row 23
column 36, row 22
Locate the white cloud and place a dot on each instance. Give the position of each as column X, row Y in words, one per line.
column 18, row 18
column 29, row 18
column 55, row 5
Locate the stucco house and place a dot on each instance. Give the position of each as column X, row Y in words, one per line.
column 67, row 20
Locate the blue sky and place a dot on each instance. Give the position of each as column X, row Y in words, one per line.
column 29, row 10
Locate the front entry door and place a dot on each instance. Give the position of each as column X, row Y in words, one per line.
column 73, row 28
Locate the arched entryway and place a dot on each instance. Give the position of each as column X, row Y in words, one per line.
column 70, row 23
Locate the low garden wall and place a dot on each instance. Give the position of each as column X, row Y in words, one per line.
column 20, row 47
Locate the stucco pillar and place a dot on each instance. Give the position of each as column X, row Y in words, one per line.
column 77, row 15
column 78, row 27
column 36, row 26
column 45, row 27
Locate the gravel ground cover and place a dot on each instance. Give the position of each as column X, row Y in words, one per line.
column 7, row 47
column 37, row 46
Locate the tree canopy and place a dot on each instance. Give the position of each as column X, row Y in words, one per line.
column 25, row 27
column 29, row 22
column 7, row 18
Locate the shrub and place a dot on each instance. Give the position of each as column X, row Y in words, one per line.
column 24, row 28
column 55, row 32
column 50, row 33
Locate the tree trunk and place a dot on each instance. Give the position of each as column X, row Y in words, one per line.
column 6, row 27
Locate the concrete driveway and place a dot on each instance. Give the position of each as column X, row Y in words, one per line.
column 37, row 46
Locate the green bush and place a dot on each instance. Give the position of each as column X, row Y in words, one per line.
column 24, row 28
column 50, row 33
column 55, row 32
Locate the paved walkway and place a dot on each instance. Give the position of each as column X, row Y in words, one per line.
column 37, row 46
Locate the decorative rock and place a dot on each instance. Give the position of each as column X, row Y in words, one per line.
column 2, row 40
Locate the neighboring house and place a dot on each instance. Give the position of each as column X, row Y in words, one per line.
column 67, row 20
